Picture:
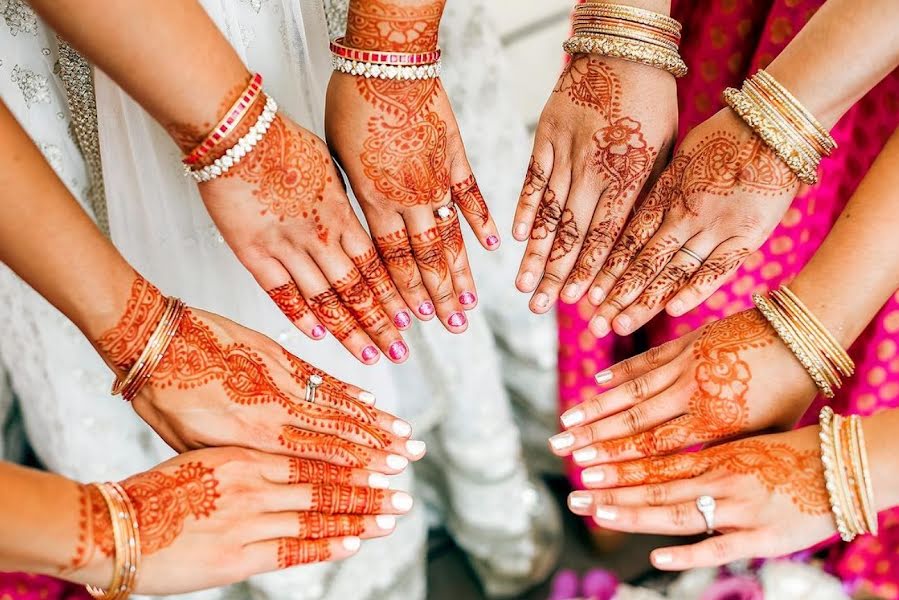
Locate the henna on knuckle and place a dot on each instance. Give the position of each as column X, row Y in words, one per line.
column 293, row 552
column 396, row 252
column 535, row 181
column 333, row 314
column 291, row 302
column 468, row 196
column 335, row 500
column 324, row 447
column 427, row 248
column 375, row 274
column 303, row 470
column 549, row 214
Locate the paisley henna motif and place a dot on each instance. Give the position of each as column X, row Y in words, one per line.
column 393, row 27
column 468, row 196
column 290, row 301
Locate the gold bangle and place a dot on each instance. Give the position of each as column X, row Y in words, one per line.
column 866, row 485
column 629, row 13
column 121, row 384
column 594, row 20
column 828, row 460
column 119, row 560
column 132, row 543
column 850, row 508
column 640, row 52
column 841, row 354
column 160, row 347
column 817, row 130
column 625, row 33
column 796, row 121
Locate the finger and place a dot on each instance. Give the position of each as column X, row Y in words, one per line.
column 716, row 270
column 675, row 519
column 713, row 552
column 290, row 469
column 331, row 499
column 638, row 365
column 319, row 526
column 328, row 448
column 365, row 257
column 657, row 469
column 551, row 213
column 584, row 502
column 535, row 180
column 395, row 250
column 457, row 257
column 274, row 278
column 670, row 436
column 427, row 248
column 467, row 196
column 283, row 553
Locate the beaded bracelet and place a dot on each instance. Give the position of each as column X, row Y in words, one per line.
column 380, row 71
column 632, row 50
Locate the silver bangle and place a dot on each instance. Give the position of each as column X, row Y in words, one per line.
column 379, row 71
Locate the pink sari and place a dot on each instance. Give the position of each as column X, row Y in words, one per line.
column 724, row 42
column 19, row 586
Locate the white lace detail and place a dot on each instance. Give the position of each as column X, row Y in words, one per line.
column 19, row 17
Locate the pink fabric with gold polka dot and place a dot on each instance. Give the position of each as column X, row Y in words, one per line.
column 19, row 586
column 724, row 42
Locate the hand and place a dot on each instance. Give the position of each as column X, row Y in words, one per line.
column 769, row 491
column 217, row 516
column 400, row 146
column 600, row 138
column 711, row 384
column 285, row 213
column 722, row 195
column 220, row 384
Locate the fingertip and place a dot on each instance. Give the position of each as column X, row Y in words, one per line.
column 526, row 282
column 520, row 231
column 492, row 242
column 623, row 325
column 351, row 544
column 662, row 559
column 676, row 308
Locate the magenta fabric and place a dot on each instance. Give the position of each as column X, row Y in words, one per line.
column 724, row 42
column 21, row 586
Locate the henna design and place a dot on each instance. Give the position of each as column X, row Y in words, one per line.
column 344, row 499
column 598, row 241
column 304, row 470
column 451, row 237
column 357, row 297
column 566, row 236
column 468, row 196
column 591, row 83
column 427, row 247
column 623, row 155
column 780, row 468
column 318, row 526
column 653, row 260
column 333, row 314
column 293, row 552
column 382, row 25
column 669, row 282
column 83, row 545
column 396, row 252
column 549, row 213
column 290, row 301
column 719, row 266
column 535, row 181
column 324, row 447
column 124, row 343
column 375, row 274
column 188, row 136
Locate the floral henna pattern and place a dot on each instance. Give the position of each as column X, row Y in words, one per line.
column 342, row 499
column 386, row 26
column 396, row 252
column 535, row 181
column 318, row 526
column 290, row 301
column 720, row 266
column 549, row 214
column 303, row 470
column 567, row 235
column 599, row 239
column 124, row 343
column 468, row 196
column 294, row 551
column 591, row 83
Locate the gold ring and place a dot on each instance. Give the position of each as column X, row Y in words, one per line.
column 691, row 254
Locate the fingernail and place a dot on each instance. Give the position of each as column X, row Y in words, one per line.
column 662, row 558
column 571, row 291
column 600, row 327
column 426, row 309
column 352, row 543
column 580, row 500
column 624, row 324
column 398, row 350
column 676, row 308
column 366, row 398
column 603, row 377
column 584, row 455
column 593, row 476
column 541, row 300
column 401, row 428
column 492, row 241
column 416, row 447
column 573, row 417
column 597, row 296
column 386, row 522
column 561, row 441
column 606, row 514
column 467, row 298
column 401, row 501
column 526, row 281
column 521, row 231
column 402, row 319
column 378, row 481
column 457, row 319
column 318, row 332
column 369, row 353
column 397, row 462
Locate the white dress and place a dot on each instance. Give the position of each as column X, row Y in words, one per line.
column 453, row 390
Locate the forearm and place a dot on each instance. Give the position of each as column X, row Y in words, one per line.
column 412, row 25
column 843, row 51
column 167, row 54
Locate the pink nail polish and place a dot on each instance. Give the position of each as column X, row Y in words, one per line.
column 492, row 241
column 467, row 298
column 369, row 353
column 426, row 308
column 318, row 332
column 398, row 350
column 457, row 319
column 402, row 319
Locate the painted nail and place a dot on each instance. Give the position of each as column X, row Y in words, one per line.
column 606, row 514
column 402, row 319
column 378, row 481
column 580, row 500
column 584, row 455
column 397, row 462
column 572, row 418
column 597, row 296
column 386, row 522
column 600, row 327
column 318, row 332
column 624, row 323
column 662, row 558
column 398, row 350
column 521, row 231
column 526, row 281
column 593, row 476
column 541, row 300
column 457, row 319
column 369, row 353
column 561, row 441
column 426, row 308
column 492, row 241
column 352, row 544
column 401, row 428
column 401, row 501
column 416, row 447
column 367, row 398
column 676, row 308
column 467, row 298
column 603, row 377
column 571, row 290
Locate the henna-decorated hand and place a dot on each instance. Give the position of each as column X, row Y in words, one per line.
column 219, row 384
column 769, row 490
column 711, row 384
column 217, row 516
column 400, row 146
column 285, row 213
column 607, row 127
column 722, row 195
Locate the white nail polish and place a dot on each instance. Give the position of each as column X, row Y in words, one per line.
column 662, row 558
column 579, row 500
column 367, row 398
column 397, row 462
column 401, row 428
column 378, row 481
column 603, row 377
column 527, row 280
column 584, row 455
column 593, row 476
column 386, row 522
column 606, row 514
column 352, row 544
column 575, row 417
column 416, row 447
column 561, row 441
column 401, row 501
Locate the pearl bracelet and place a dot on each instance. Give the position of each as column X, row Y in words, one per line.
column 380, row 71
column 238, row 151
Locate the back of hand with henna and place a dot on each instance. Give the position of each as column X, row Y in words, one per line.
column 399, row 143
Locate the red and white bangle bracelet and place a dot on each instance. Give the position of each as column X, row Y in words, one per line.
column 240, row 149
column 384, row 58
column 375, row 64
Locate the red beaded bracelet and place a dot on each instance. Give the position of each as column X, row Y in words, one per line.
column 229, row 122
column 384, row 58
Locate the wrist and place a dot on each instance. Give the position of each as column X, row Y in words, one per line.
column 880, row 439
column 394, row 25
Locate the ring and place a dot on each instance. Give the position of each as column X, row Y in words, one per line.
column 706, row 506
column 691, row 254
column 312, row 386
column 446, row 211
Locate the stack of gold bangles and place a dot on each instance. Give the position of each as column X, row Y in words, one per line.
column 629, row 33
column 846, row 474
column 126, row 536
column 778, row 118
column 812, row 344
column 133, row 382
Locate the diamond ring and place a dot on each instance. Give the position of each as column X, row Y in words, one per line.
column 445, row 212
column 707, row 506
column 312, row 386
